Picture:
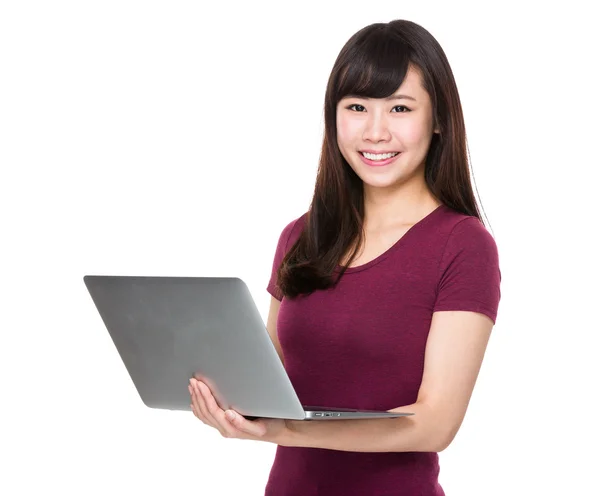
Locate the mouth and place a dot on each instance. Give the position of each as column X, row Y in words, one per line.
column 378, row 159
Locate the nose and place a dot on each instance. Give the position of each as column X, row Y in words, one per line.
column 376, row 128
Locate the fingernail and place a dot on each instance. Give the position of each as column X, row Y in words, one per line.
column 230, row 415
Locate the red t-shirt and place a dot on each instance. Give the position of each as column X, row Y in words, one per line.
column 362, row 345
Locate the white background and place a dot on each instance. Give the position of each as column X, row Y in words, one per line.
column 179, row 138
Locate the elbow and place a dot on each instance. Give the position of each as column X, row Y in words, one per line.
column 441, row 445
column 439, row 435
column 437, row 429
column 435, row 443
column 444, row 438
column 431, row 441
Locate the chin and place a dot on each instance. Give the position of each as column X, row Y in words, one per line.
column 397, row 180
column 381, row 182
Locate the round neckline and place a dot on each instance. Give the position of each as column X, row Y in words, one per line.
column 394, row 247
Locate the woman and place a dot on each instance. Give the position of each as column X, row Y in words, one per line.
column 385, row 292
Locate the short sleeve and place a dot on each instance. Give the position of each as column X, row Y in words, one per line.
column 469, row 271
column 285, row 242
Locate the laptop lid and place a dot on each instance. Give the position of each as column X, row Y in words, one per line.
column 168, row 329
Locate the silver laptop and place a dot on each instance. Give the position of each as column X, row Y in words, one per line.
column 169, row 329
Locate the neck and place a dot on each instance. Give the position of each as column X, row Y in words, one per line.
column 407, row 204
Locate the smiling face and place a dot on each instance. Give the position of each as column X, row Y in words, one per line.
column 385, row 140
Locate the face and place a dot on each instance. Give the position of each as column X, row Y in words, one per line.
column 385, row 140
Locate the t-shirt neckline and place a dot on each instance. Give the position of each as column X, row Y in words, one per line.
column 416, row 226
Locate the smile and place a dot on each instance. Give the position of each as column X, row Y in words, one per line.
column 378, row 159
column 379, row 156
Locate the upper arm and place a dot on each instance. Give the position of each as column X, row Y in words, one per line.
column 455, row 349
column 272, row 325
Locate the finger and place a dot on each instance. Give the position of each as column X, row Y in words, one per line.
column 197, row 407
column 201, row 404
column 256, row 428
column 215, row 413
column 229, row 427
column 204, row 411
column 194, row 404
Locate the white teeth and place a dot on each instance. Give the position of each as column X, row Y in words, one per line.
column 379, row 156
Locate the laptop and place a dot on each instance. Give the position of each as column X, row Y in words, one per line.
column 169, row 329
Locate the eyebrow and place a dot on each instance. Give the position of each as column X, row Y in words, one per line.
column 400, row 97
column 391, row 97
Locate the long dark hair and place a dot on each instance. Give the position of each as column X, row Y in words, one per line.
column 373, row 63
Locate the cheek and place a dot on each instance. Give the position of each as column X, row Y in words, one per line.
column 346, row 131
column 416, row 134
column 346, row 138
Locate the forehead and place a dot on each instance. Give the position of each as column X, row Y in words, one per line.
column 413, row 81
column 412, row 86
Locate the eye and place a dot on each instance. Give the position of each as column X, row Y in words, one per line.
column 356, row 107
column 406, row 109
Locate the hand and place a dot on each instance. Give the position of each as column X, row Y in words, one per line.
column 230, row 423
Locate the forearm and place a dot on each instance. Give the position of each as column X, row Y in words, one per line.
column 413, row 433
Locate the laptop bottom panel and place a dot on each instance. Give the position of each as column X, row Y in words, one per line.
column 326, row 413
column 353, row 414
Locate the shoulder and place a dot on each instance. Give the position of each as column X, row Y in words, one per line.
column 291, row 232
column 469, row 273
column 465, row 245
column 467, row 249
column 463, row 231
